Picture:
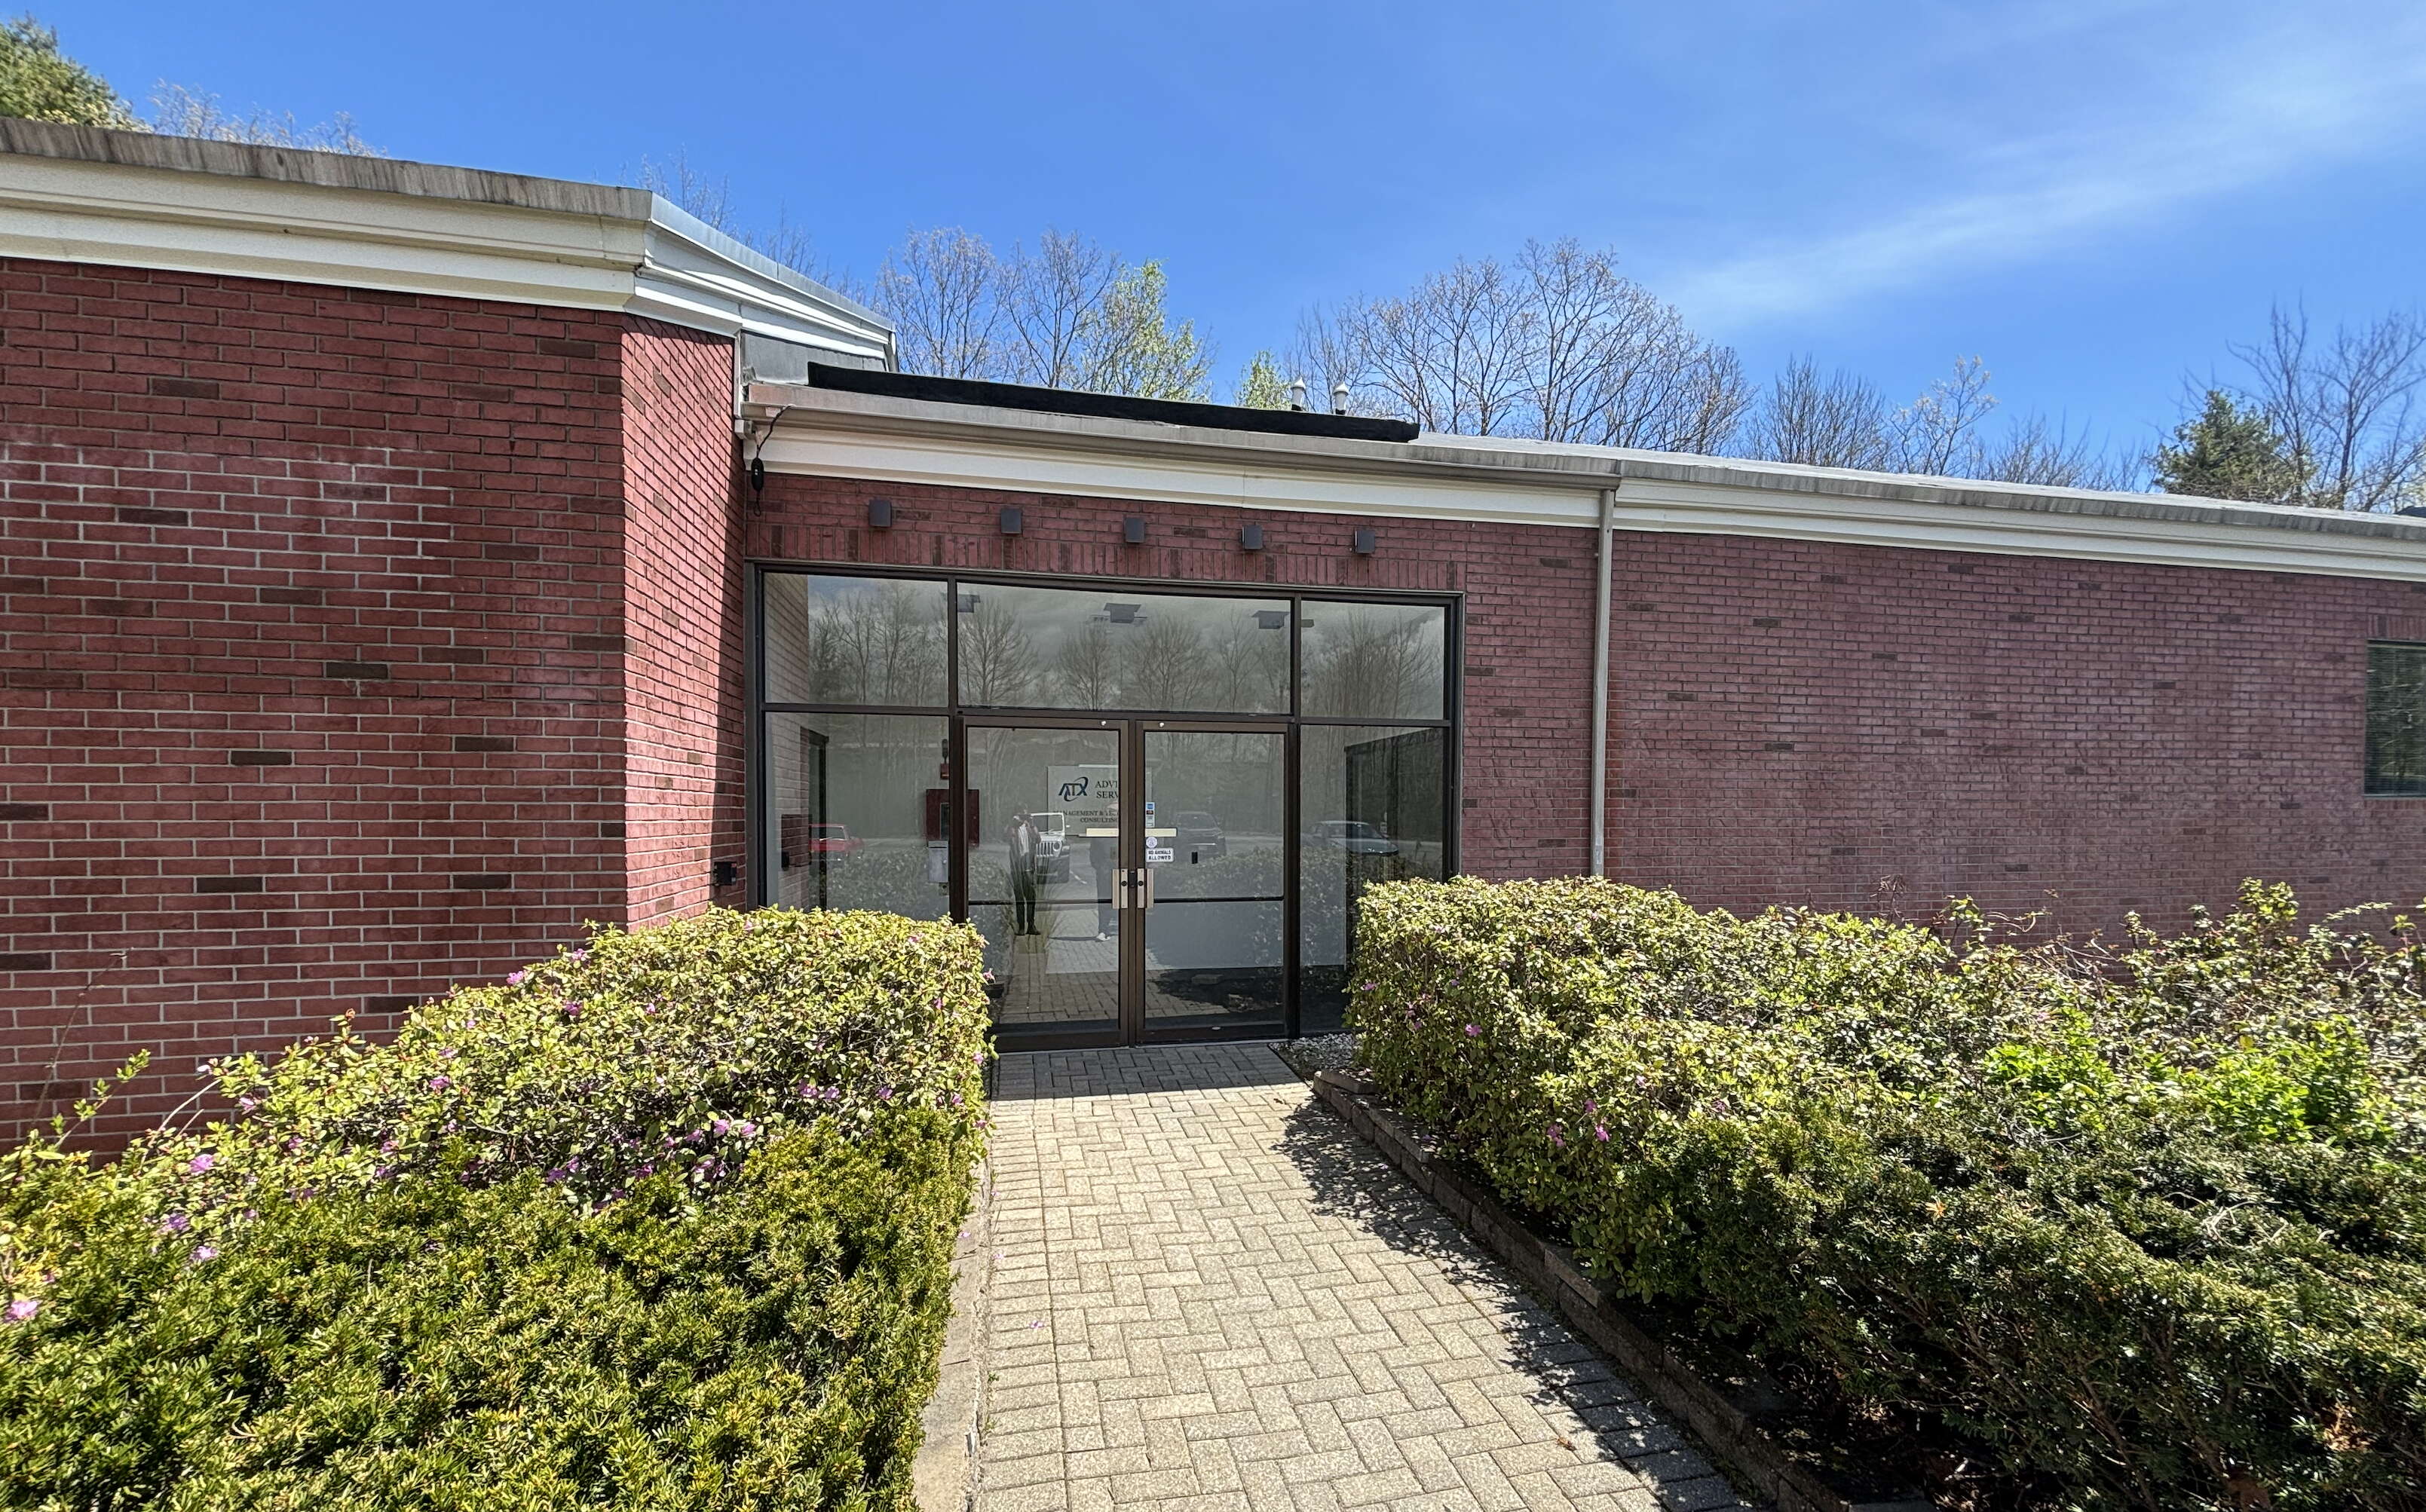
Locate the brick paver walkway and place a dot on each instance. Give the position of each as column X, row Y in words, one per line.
column 1208, row 1294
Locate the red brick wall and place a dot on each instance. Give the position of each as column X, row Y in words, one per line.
column 216, row 497
column 683, row 675
column 1527, row 624
column 1848, row 727
column 1872, row 729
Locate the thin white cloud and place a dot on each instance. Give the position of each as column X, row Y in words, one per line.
column 2242, row 116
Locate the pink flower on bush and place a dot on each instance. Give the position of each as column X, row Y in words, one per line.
column 1472, row 1031
column 245, row 1104
column 517, row 978
column 23, row 1309
column 440, row 1083
column 175, row 1223
column 201, row 1163
column 1600, row 1132
column 203, row 1253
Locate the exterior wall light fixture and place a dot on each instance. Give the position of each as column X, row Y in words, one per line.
column 1251, row 538
column 1365, row 540
column 880, row 514
column 1133, row 529
column 1011, row 523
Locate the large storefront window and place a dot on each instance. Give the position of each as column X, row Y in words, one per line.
column 853, row 812
column 1374, row 801
column 1162, row 810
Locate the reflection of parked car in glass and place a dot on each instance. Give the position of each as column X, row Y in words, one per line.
column 832, row 841
column 1199, row 834
column 1354, row 836
column 1053, row 845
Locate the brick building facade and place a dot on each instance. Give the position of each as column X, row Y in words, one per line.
column 377, row 547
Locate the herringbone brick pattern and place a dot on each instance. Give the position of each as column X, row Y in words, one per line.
column 1208, row 1294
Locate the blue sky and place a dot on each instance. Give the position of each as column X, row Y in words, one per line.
column 2094, row 197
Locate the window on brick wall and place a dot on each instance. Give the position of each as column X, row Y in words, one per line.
column 2396, row 719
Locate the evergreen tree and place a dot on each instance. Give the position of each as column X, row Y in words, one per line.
column 2228, row 452
column 1261, row 387
column 37, row 82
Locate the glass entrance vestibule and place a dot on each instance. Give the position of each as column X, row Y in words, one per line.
column 1160, row 809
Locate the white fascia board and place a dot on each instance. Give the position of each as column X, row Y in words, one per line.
column 1027, row 466
column 123, row 214
column 682, row 281
column 119, row 216
column 832, row 434
column 1649, row 505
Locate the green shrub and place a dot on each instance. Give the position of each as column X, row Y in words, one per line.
column 432, row 1344
column 679, row 1046
column 665, row 1221
column 2147, row 1231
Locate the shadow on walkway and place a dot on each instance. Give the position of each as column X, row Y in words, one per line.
column 1350, row 1181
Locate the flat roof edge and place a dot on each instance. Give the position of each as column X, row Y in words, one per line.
column 1654, row 491
column 326, row 170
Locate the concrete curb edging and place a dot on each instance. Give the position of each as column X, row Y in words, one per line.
column 1551, row 1270
column 943, row 1476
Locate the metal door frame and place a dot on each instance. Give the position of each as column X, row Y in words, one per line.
column 1287, row 1028
column 1129, row 732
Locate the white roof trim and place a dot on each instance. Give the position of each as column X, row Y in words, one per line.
column 126, row 199
column 836, row 434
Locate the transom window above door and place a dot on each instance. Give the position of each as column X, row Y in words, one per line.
column 841, row 640
column 1049, row 648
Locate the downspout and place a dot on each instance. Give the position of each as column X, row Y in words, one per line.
column 1603, row 569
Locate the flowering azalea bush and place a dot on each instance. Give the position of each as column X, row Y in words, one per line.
column 763, row 1122
column 2142, row 1229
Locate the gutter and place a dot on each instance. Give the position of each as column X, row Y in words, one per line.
column 1604, row 569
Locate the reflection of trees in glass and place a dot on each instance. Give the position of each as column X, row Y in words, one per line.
column 998, row 660
column 1248, row 665
column 1163, row 660
column 880, row 643
column 1088, row 669
column 1380, row 661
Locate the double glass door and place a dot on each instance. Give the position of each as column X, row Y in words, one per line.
column 1128, row 876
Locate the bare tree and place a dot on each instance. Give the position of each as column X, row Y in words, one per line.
column 1087, row 668
column 1047, row 298
column 1934, row 433
column 1164, row 663
column 998, row 661
column 2038, row 451
column 2346, row 406
column 939, row 287
column 711, row 200
column 179, row 112
column 1557, row 346
column 1841, row 420
column 1616, row 367
column 1838, row 421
